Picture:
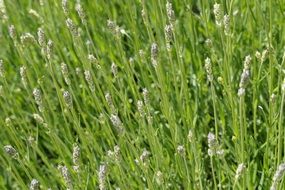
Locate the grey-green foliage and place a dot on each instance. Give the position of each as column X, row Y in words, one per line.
column 153, row 94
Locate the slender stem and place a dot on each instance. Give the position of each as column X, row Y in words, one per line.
column 241, row 128
column 242, row 133
column 215, row 111
column 271, row 74
column 213, row 174
column 280, row 130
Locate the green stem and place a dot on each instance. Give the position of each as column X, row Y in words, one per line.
column 215, row 111
column 213, row 174
column 280, row 131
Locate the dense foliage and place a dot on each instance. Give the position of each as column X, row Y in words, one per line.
column 142, row 94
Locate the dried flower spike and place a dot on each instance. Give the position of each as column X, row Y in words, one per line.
column 159, row 178
column 258, row 55
column 117, row 152
column 3, row 14
column 75, row 157
column 38, row 99
column 89, row 80
column 111, row 24
column 140, row 107
column 264, row 55
column 78, row 70
column 10, row 151
column 239, row 171
column 109, row 101
column 218, row 14
column 213, row 145
column 102, row 174
column 12, row 32
column 170, row 12
column 244, row 76
column 273, row 97
column 23, row 73
column 142, row 54
column 41, row 37
column 227, row 25
column 27, row 38
column 181, row 150
column 190, row 136
column 114, row 28
column 2, row 69
column 67, row 99
column 8, row 122
column 49, row 49
column 92, row 58
column 64, row 4
column 117, row 123
column 72, row 27
column 80, row 12
column 154, row 54
column 114, row 69
column 36, row 15
column 209, row 43
column 208, row 67
column 277, row 176
column 168, row 30
column 144, row 156
column 65, row 73
column 144, row 16
column 38, row 118
column 66, row 176
column 35, row 185
column 114, row 155
column 145, row 96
